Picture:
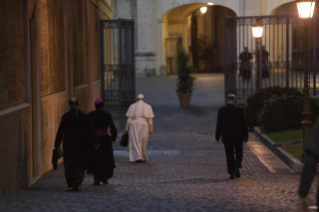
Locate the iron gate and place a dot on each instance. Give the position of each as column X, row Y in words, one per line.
column 118, row 62
column 280, row 60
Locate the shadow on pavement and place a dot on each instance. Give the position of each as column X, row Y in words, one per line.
column 195, row 181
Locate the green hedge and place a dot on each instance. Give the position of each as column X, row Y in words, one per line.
column 281, row 113
column 256, row 102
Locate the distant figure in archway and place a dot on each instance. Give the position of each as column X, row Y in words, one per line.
column 76, row 130
column 245, row 65
column 139, row 124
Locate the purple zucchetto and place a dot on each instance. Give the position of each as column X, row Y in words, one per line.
column 99, row 101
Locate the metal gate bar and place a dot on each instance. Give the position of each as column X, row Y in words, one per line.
column 282, row 39
column 117, row 62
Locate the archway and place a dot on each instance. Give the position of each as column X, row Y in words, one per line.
column 290, row 9
column 200, row 33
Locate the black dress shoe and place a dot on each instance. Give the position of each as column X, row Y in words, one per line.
column 105, row 182
column 75, row 188
column 231, row 176
column 96, row 183
column 140, row 161
column 237, row 173
column 76, row 185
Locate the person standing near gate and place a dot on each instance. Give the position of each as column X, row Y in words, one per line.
column 245, row 65
column 102, row 160
column 139, row 124
column 77, row 132
column 232, row 128
column 264, row 60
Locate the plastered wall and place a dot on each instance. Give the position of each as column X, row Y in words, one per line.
column 49, row 52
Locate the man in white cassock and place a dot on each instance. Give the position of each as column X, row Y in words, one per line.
column 139, row 124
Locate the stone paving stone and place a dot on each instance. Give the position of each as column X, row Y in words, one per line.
column 193, row 180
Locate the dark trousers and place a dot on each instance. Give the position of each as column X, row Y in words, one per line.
column 233, row 163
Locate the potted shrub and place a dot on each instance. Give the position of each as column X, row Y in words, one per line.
column 185, row 82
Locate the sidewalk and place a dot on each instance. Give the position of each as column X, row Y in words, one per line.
column 186, row 170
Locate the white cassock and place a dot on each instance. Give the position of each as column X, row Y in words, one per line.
column 139, row 124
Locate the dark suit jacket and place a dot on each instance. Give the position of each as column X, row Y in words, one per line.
column 231, row 124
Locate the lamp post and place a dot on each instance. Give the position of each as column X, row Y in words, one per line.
column 305, row 10
column 257, row 30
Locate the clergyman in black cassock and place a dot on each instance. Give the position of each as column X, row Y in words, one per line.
column 264, row 59
column 232, row 128
column 245, row 65
column 77, row 131
column 311, row 158
column 102, row 160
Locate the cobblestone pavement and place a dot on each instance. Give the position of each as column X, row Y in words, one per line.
column 186, row 170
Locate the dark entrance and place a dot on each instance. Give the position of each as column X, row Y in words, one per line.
column 118, row 62
column 206, row 39
column 171, row 46
column 282, row 39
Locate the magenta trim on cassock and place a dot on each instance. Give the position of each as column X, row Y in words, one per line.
column 102, row 132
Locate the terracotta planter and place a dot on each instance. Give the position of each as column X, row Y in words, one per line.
column 184, row 99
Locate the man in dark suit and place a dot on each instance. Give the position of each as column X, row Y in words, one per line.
column 231, row 126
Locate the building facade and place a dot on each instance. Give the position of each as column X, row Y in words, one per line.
column 49, row 53
column 160, row 24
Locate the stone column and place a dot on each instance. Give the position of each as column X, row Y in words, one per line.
column 145, row 56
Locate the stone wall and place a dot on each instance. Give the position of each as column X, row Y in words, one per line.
column 12, row 56
column 15, row 150
column 49, row 52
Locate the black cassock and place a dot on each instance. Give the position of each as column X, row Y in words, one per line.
column 245, row 66
column 102, row 160
column 76, row 130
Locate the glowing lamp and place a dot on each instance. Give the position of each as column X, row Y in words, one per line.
column 306, row 8
column 203, row 10
column 257, row 30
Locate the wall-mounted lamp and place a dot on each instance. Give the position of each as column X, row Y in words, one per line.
column 203, row 10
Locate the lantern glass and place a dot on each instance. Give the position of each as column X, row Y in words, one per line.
column 203, row 10
column 257, row 31
column 306, row 9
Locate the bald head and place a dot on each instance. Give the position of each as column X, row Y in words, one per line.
column 231, row 98
column 140, row 97
column 74, row 101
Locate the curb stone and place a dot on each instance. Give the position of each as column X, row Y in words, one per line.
column 287, row 158
column 270, row 143
column 290, row 160
column 265, row 139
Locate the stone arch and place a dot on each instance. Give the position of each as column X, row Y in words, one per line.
column 285, row 9
column 173, row 4
column 288, row 8
column 177, row 30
